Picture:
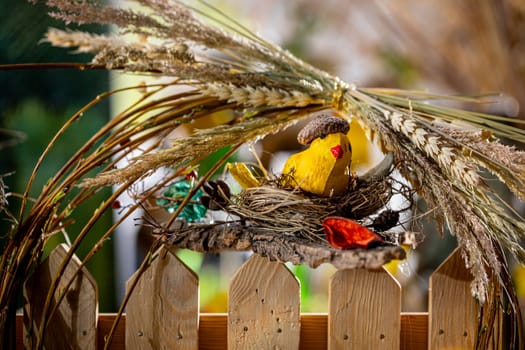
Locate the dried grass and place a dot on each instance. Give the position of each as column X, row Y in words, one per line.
column 297, row 213
column 223, row 66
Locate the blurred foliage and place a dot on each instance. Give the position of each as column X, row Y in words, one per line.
column 37, row 102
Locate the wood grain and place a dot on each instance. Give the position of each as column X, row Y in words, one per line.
column 163, row 310
column 73, row 325
column 414, row 330
column 213, row 331
column 105, row 321
column 263, row 306
column 453, row 311
column 364, row 310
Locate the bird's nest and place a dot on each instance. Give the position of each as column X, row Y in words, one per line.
column 296, row 213
column 286, row 224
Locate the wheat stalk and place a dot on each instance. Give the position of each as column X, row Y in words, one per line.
column 220, row 65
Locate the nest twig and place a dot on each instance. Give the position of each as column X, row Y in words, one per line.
column 286, row 212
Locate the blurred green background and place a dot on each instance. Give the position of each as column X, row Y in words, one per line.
column 35, row 103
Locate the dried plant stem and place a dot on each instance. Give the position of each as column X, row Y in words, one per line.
column 63, row 265
column 153, row 248
column 220, row 65
column 44, row 217
column 105, row 206
column 81, row 151
column 51, row 65
column 140, row 271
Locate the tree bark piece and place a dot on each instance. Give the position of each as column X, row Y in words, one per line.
column 281, row 247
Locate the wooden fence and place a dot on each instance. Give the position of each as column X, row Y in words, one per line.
column 263, row 310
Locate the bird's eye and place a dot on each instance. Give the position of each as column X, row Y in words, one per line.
column 337, row 151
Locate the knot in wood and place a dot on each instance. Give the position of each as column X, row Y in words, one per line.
column 320, row 127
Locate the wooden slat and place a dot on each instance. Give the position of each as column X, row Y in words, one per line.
column 263, row 306
column 364, row 310
column 73, row 325
column 452, row 309
column 213, row 331
column 163, row 310
column 105, row 321
column 314, row 332
column 414, row 331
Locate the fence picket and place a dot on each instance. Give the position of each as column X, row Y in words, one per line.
column 364, row 310
column 452, row 309
column 163, row 310
column 74, row 324
column 263, row 306
column 264, row 310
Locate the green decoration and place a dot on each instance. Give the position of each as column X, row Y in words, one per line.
column 193, row 211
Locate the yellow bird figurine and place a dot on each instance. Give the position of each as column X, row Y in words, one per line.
column 324, row 167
